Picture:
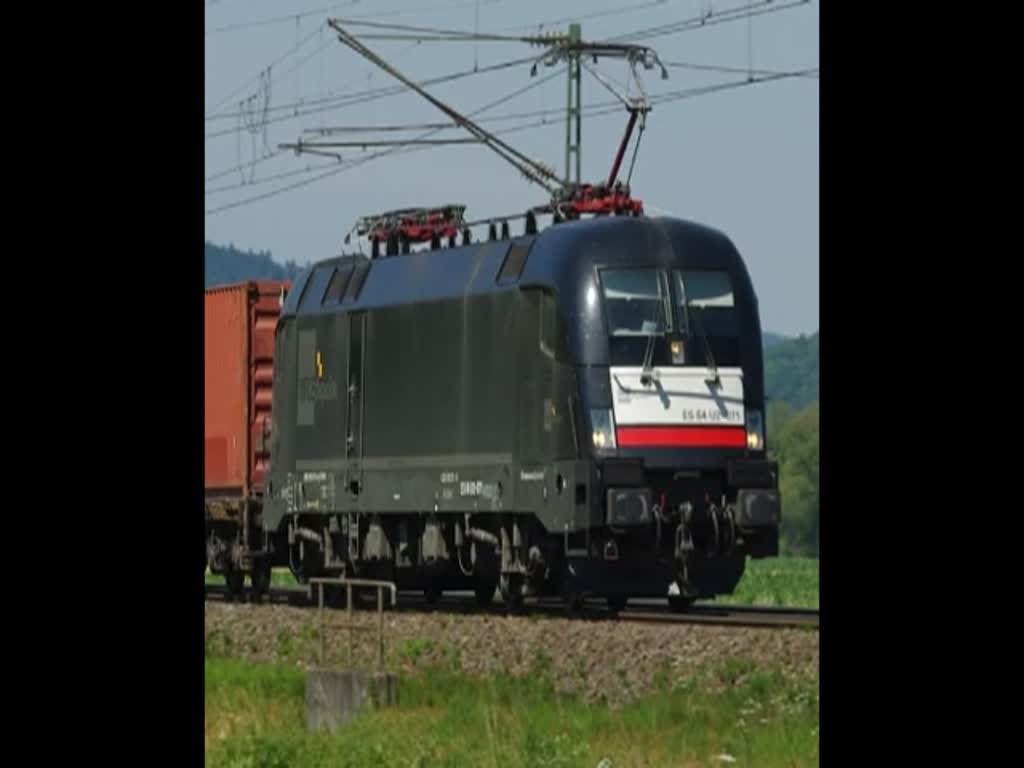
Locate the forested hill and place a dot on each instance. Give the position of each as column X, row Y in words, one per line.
column 791, row 369
column 230, row 265
column 791, row 381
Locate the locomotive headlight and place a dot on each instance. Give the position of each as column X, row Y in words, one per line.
column 603, row 426
column 755, row 431
column 678, row 352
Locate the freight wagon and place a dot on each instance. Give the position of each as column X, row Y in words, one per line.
column 240, row 320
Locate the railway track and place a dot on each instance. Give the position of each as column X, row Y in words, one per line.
column 640, row 610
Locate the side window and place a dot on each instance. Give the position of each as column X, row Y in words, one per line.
column 355, row 284
column 316, row 287
column 336, row 287
column 548, row 324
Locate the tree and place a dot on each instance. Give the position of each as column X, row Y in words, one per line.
column 793, row 441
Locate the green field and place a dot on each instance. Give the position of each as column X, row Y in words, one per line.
column 254, row 718
column 779, row 581
column 782, row 581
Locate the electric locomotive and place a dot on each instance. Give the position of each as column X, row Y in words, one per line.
column 573, row 412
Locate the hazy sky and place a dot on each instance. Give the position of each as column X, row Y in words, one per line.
column 743, row 160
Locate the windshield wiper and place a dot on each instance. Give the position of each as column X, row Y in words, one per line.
column 645, row 374
column 713, row 379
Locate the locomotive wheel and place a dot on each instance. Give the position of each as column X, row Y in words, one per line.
column 572, row 600
column 335, row 596
column 680, row 604
column 511, row 593
column 617, row 602
column 484, row 590
column 487, row 577
column 432, row 594
column 235, row 581
column 260, row 579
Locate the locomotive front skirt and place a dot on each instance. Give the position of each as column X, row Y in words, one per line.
column 576, row 412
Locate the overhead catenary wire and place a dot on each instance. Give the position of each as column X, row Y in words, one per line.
column 330, row 130
column 305, row 146
column 256, row 77
column 714, row 88
column 712, row 17
column 382, row 153
column 298, row 102
column 269, row 179
column 531, row 169
column 591, row 110
column 594, row 110
column 359, row 97
column 725, row 69
column 442, row 33
column 734, row 13
column 559, row 110
column 399, row 148
column 314, row 33
column 705, row 19
column 316, row 11
column 628, row 8
column 599, row 109
column 433, row 127
column 279, row 19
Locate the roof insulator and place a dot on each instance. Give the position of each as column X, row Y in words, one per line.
column 452, row 241
column 467, row 236
column 435, row 242
column 374, row 248
column 392, row 249
column 492, row 232
column 504, row 230
column 531, row 223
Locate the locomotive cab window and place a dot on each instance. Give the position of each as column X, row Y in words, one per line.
column 704, row 288
column 636, row 302
column 707, row 315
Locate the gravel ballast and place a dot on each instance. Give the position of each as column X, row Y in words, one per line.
column 614, row 661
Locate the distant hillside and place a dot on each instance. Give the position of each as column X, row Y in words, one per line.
column 791, row 369
column 230, row 265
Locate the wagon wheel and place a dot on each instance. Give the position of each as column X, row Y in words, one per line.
column 680, row 604
column 235, row 581
column 512, row 593
column 260, row 579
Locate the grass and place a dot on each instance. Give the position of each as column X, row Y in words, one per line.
column 254, row 718
column 780, row 581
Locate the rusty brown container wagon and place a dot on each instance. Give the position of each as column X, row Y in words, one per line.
column 240, row 320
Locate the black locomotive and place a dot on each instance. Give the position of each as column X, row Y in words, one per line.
column 575, row 412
